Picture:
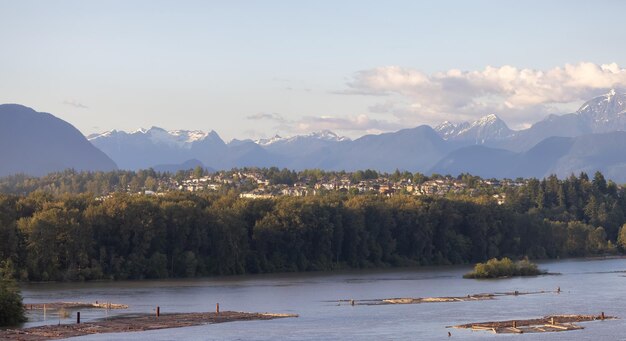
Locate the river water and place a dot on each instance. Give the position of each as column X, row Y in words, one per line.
column 587, row 287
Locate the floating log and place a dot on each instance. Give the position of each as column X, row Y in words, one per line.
column 132, row 324
column 552, row 323
column 74, row 305
column 564, row 327
column 418, row 300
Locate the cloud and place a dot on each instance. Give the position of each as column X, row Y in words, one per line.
column 520, row 96
column 358, row 123
column 267, row 116
column 75, row 104
column 345, row 124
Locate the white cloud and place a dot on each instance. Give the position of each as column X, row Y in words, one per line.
column 351, row 125
column 520, row 96
column 267, row 116
column 358, row 123
column 75, row 104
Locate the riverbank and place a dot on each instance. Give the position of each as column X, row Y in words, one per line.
column 125, row 324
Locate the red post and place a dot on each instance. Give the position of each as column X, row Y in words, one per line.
column 217, row 308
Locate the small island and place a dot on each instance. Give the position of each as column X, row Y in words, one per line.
column 505, row 267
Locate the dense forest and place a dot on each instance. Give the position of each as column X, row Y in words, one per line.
column 45, row 236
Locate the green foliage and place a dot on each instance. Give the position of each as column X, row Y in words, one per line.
column 621, row 239
column 54, row 236
column 505, row 267
column 11, row 307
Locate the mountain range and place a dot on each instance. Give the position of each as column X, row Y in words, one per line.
column 592, row 138
column 37, row 143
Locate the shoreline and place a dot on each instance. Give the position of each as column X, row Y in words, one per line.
column 338, row 271
column 132, row 324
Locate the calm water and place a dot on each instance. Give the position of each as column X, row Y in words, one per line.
column 588, row 287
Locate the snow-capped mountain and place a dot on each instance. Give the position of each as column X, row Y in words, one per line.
column 449, row 130
column 605, row 113
column 324, row 135
column 486, row 129
column 144, row 148
column 268, row 141
column 178, row 138
column 482, row 146
column 601, row 114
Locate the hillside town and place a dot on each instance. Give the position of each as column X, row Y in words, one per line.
column 263, row 183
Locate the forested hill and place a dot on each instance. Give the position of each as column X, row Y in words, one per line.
column 76, row 237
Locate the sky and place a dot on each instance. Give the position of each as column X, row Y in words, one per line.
column 253, row 69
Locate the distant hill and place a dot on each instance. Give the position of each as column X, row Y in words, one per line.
column 413, row 149
column 37, row 143
column 555, row 155
column 187, row 165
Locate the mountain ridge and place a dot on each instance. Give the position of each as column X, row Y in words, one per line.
column 485, row 144
column 37, row 143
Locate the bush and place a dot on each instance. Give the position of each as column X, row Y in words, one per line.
column 504, row 267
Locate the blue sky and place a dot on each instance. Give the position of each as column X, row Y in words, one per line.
column 250, row 69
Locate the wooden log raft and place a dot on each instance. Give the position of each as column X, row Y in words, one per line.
column 552, row 323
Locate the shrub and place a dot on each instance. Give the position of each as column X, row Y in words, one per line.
column 504, row 267
column 11, row 307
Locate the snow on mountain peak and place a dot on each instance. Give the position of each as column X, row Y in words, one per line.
column 189, row 136
column 327, row 135
column 489, row 127
column 180, row 138
column 268, row 141
column 448, row 129
column 610, row 94
column 101, row 135
column 490, row 118
column 604, row 113
column 324, row 135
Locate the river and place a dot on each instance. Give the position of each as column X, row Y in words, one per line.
column 587, row 287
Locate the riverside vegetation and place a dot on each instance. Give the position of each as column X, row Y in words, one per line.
column 505, row 267
column 11, row 308
column 127, row 236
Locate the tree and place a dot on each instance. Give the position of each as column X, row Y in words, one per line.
column 198, row 172
column 599, row 183
column 11, row 306
column 621, row 238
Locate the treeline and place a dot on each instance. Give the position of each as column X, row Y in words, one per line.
column 78, row 237
column 97, row 183
column 103, row 183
